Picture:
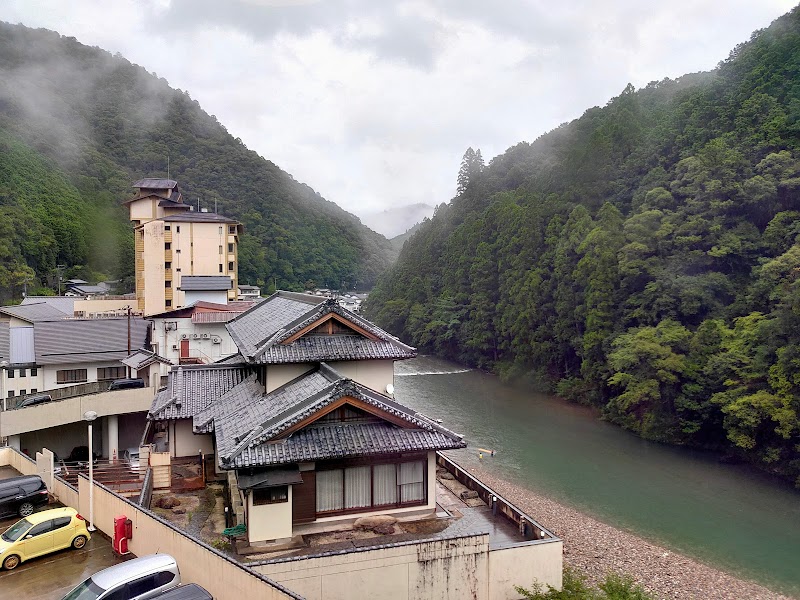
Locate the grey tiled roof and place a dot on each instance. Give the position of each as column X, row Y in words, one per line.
column 190, row 389
column 202, row 283
column 260, row 333
column 86, row 340
column 254, row 327
column 342, row 441
column 141, row 358
column 153, row 183
column 235, row 418
column 34, row 312
column 233, row 359
column 235, row 401
column 299, row 400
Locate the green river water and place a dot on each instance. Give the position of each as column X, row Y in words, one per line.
column 730, row 516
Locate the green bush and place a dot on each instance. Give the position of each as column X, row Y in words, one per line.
column 574, row 587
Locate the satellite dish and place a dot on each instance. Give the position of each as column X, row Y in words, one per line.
column 390, row 389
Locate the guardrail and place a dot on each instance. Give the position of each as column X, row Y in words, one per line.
column 82, row 389
column 528, row 527
column 147, row 489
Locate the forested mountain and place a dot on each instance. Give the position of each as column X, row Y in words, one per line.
column 643, row 258
column 78, row 126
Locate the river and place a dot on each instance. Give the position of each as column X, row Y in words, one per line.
column 729, row 516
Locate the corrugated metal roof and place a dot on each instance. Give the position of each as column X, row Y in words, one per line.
column 34, row 312
column 152, row 183
column 63, row 303
column 214, row 317
column 87, row 340
column 205, row 283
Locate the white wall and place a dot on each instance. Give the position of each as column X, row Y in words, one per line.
column 201, row 347
column 215, row 296
column 183, row 442
column 375, row 374
column 269, row 521
column 50, row 376
column 278, row 375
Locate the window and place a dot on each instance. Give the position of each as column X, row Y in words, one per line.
column 367, row 486
column 230, row 266
column 167, row 245
column 166, row 228
column 10, row 394
column 110, row 373
column 34, row 371
column 220, row 248
column 22, row 372
column 271, row 495
column 34, row 390
column 232, row 229
column 220, row 267
column 178, row 229
column 178, row 251
column 230, row 247
column 168, row 283
column 71, row 376
column 23, row 392
column 61, row 522
column 220, row 230
column 11, row 373
column 41, row 528
column 167, row 265
column 169, row 303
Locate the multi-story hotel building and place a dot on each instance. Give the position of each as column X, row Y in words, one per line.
column 173, row 240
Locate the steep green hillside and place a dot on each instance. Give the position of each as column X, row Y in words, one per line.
column 100, row 122
column 642, row 258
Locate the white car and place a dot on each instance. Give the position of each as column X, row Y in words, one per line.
column 131, row 457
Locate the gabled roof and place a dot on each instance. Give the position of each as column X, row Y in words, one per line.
column 274, row 332
column 205, row 283
column 34, row 312
column 191, row 388
column 143, row 358
column 280, row 427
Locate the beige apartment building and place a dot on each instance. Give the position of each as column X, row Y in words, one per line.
column 173, row 240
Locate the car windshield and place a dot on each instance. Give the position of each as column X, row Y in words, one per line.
column 13, row 533
column 88, row 590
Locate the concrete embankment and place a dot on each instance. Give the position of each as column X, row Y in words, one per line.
column 595, row 549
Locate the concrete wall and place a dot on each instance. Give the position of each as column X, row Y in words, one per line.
column 200, row 347
column 375, row 374
column 524, row 565
column 269, row 521
column 50, row 372
column 185, row 443
column 71, row 410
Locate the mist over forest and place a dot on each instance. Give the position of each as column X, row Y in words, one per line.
column 642, row 259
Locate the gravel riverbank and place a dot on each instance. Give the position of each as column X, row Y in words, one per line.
column 595, row 548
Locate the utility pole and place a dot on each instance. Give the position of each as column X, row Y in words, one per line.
column 129, row 340
column 60, row 271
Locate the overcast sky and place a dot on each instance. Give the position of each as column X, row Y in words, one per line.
column 373, row 103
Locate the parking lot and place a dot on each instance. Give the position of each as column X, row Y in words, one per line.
column 53, row 575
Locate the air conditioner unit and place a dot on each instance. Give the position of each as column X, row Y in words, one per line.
column 216, row 340
column 184, row 336
column 195, row 335
column 205, row 336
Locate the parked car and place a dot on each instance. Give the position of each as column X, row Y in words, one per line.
column 125, row 384
column 131, row 457
column 80, row 456
column 34, row 400
column 21, row 495
column 136, row 579
column 190, row 591
column 42, row 533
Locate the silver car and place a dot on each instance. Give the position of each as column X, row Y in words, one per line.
column 136, row 579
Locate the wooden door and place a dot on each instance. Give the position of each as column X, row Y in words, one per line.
column 184, row 348
column 304, row 499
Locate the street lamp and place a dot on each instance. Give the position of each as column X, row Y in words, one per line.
column 90, row 416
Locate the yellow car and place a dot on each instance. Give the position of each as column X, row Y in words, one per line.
column 42, row 533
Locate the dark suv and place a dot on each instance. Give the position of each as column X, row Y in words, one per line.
column 20, row 495
column 126, row 384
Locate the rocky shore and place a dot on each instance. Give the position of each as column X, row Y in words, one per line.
column 595, row 549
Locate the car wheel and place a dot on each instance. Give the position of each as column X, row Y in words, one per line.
column 79, row 542
column 25, row 509
column 11, row 562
